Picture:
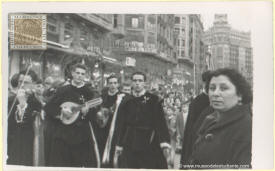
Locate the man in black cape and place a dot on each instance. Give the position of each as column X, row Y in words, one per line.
column 73, row 143
column 196, row 107
column 104, row 130
column 143, row 133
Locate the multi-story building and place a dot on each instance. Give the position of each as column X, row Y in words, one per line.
column 190, row 50
column 229, row 47
column 148, row 43
column 70, row 37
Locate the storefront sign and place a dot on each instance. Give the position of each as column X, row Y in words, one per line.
column 130, row 61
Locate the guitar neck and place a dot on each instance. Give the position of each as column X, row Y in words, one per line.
column 92, row 103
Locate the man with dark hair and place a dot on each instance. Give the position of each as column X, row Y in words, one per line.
column 196, row 107
column 106, row 134
column 109, row 98
column 14, row 84
column 143, row 133
column 126, row 88
column 22, row 109
column 72, row 140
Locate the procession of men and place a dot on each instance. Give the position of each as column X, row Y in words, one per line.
column 85, row 128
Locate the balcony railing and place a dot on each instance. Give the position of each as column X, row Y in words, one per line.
column 119, row 31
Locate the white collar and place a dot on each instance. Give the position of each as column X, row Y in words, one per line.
column 139, row 94
column 112, row 94
column 78, row 86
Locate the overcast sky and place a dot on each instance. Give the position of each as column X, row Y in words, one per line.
column 237, row 21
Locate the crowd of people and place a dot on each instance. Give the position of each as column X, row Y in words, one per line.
column 70, row 124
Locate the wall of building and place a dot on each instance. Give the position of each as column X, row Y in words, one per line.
column 70, row 37
column 190, row 47
column 149, row 41
column 229, row 47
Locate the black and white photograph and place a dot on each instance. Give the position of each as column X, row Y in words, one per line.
column 137, row 85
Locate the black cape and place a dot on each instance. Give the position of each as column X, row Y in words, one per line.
column 21, row 135
column 142, row 127
column 72, row 145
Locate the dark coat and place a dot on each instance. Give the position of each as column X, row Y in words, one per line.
column 102, row 134
column 21, row 135
column 142, row 129
column 71, row 145
column 225, row 141
column 195, row 109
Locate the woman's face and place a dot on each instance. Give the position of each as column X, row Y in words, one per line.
column 222, row 93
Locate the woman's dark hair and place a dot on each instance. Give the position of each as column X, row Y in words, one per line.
column 243, row 88
column 206, row 75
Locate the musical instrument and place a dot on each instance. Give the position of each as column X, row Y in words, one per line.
column 107, row 150
column 70, row 111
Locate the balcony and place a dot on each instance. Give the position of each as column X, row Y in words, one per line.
column 119, row 32
column 99, row 20
column 134, row 46
column 185, row 60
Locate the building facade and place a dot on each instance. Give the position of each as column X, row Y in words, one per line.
column 230, row 47
column 70, row 37
column 148, row 43
column 190, row 51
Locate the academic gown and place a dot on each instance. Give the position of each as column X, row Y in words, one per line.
column 72, row 145
column 142, row 127
column 109, row 101
column 21, row 134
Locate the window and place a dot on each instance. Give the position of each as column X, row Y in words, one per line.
column 52, row 24
column 51, row 28
column 175, row 41
column 115, row 20
column 135, row 22
column 183, row 21
column 183, row 31
column 219, row 51
column 68, row 32
column 177, row 30
column 177, row 20
column 182, row 53
column 182, row 43
column 83, row 34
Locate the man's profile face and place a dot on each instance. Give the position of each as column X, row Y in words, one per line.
column 113, row 84
column 138, row 82
column 78, row 75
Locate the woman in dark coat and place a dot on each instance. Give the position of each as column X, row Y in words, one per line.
column 223, row 139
